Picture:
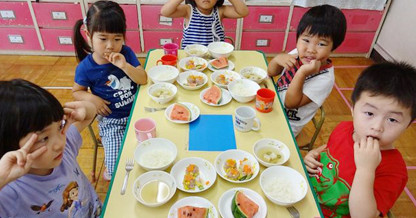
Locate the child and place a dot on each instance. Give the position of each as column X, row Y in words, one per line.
column 203, row 18
column 33, row 121
column 112, row 72
column 308, row 74
column 359, row 171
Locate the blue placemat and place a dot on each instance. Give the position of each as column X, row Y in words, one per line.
column 212, row 133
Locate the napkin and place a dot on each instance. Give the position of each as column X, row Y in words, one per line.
column 212, row 133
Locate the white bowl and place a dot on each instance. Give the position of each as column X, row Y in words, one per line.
column 199, row 64
column 154, row 197
column 160, row 151
column 272, row 145
column 162, row 92
column 229, row 76
column 196, row 50
column 220, row 49
column 163, row 73
column 255, row 74
column 283, row 185
column 182, row 79
column 243, row 90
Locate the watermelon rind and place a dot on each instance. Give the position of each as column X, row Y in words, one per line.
column 235, row 207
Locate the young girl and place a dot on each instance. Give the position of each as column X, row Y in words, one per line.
column 33, row 122
column 112, row 72
column 203, row 18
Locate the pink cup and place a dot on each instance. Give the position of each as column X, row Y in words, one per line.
column 145, row 129
column 171, row 48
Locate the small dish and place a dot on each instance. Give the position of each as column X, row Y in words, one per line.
column 222, row 78
column 160, row 151
column 184, row 79
column 224, row 203
column 193, row 63
column 206, row 178
column 193, row 109
column 243, row 90
column 220, row 49
column 196, row 50
column 225, row 98
column 237, row 155
column 230, row 66
column 195, row 202
column 162, row 92
column 267, row 152
column 163, row 73
column 255, row 74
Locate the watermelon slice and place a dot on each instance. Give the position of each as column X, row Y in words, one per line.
column 194, row 212
column 220, row 63
column 180, row 112
column 242, row 206
column 213, row 95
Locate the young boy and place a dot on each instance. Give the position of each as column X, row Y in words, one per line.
column 360, row 173
column 39, row 143
column 308, row 75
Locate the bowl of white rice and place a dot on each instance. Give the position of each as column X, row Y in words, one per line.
column 243, row 90
column 283, row 185
column 155, row 154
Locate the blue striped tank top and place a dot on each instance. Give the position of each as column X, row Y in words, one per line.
column 202, row 29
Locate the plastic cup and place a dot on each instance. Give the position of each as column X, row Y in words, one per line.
column 264, row 100
column 168, row 60
column 145, row 128
column 171, row 48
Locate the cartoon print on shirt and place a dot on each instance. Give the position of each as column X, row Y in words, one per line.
column 124, row 94
column 116, row 84
column 76, row 171
column 292, row 114
column 330, row 188
column 70, row 199
column 42, row 208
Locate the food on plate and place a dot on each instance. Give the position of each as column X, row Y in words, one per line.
column 154, row 191
column 193, row 80
column 194, row 64
column 223, row 80
column 180, row 112
column 220, row 63
column 193, row 212
column 213, row 95
column 243, row 172
column 251, row 75
column 269, row 155
column 191, row 178
column 242, row 206
column 156, row 158
column 162, row 93
column 196, row 52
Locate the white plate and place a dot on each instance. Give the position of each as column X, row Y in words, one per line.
column 193, row 108
column 224, row 203
column 236, row 155
column 182, row 79
column 195, row 202
column 183, row 61
column 229, row 76
column 206, row 173
column 230, row 66
column 225, row 98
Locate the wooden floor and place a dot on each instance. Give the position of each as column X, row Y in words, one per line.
column 56, row 74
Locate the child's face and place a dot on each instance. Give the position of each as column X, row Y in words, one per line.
column 313, row 47
column 204, row 5
column 380, row 117
column 54, row 139
column 105, row 43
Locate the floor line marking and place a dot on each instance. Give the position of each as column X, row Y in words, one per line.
column 342, row 96
column 346, row 89
column 411, row 167
column 57, row 87
column 352, row 66
column 410, row 195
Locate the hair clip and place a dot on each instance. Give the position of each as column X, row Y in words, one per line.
column 85, row 21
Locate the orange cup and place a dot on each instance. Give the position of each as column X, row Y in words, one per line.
column 168, row 60
column 264, row 100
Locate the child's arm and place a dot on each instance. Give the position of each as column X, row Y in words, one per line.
column 137, row 74
column 312, row 160
column 279, row 62
column 15, row 164
column 80, row 93
column 367, row 157
column 294, row 95
column 237, row 10
column 173, row 8
column 79, row 113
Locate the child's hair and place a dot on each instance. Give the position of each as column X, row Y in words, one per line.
column 25, row 108
column 192, row 2
column 324, row 21
column 390, row 79
column 102, row 16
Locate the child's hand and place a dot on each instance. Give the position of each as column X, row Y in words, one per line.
column 117, row 60
column 310, row 68
column 367, row 154
column 312, row 161
column 15, row 164
column 101, row 105
column 287, row 61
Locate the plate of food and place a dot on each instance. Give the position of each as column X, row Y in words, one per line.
column 233, row 202
column 183, row 112
column 193, row 63
column 221, row 78
column 237, row 166
column 215, row 96
column 193, row 174
column 192, row 80
column 196, row 205
column 221, row 63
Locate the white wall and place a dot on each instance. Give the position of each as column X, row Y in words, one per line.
column 397, row 39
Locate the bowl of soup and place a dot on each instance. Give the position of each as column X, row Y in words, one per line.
column 271, row 152
column 162, row 92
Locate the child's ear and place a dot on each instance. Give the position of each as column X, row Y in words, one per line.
column 87, row 33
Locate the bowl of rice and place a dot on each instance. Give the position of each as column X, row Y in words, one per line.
column 163, row 73
column 243, row 90
column 220, row 49
column 155, row 154
column 283, row 185
column 162, row 92
column 196, row 50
